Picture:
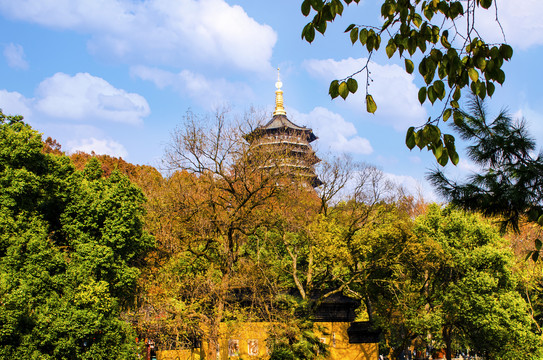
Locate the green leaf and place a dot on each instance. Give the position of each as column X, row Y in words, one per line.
column 422, row 95
column 458, row 118
column 490, row 88
column 321, row 26
column 535, row 256
column 475, row 87
column 456, row 9
column 306, row 7
column 439, row 87
column 473, row 74
column 371, row 107
column 431, row 133
column 354, row 35
column 500, row 77
column 349, row 28
column 363, row 36
column 420, row 140
column 411, row 45
column 438, row 150
column 444, row 158
column 343, row 90
column 428, row 13
column 417, row 20
column 481, row 63
column 409, row 66
column 506, row 51
column 391, row 48
column 337, row 6
column 352, row 85
column 370, row 42
column 377, row 41
column 540, row 220
column 538, row 244
column 410, row 140
column 308, row 33
column 456, row 94
column 447, row 114
column 453, row 155
column 486, row 3
column 334, row 89
column 444, row 41
column 317, row 4
column 449, row 142
column 432, row 95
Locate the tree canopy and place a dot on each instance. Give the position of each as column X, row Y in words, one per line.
column 510, row 183
column 236, row 242
column 71, row 244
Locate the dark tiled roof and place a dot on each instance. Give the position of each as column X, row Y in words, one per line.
column 361, row 332
column 279, row 122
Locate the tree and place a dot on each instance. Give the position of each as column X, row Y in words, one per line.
column 71, row 244
column 445, row 33
column 472, row 287
column 228, row 193
column 510, row 183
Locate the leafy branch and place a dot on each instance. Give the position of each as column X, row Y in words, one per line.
column 452, row 59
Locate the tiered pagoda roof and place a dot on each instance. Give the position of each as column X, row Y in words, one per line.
column 282, row 136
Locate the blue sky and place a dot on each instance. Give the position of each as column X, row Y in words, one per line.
column 116, row 76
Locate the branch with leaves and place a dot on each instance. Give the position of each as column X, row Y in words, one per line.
column 454, row 57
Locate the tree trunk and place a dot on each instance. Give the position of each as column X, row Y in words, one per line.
column 214, row 330
column 447, row 337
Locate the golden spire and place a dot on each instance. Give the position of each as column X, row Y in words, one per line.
column 279, row 109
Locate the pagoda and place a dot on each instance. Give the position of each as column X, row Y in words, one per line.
column 290, row 142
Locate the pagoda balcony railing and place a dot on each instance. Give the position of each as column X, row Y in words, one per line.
column 280, row 139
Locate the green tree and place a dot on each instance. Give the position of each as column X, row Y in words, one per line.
column 70, row 247
column 470, row 288
column 510, row 182
column 454, row 56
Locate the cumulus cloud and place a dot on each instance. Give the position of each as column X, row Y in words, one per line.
column 87, row 97
column 15, row 56
column 335, row 134
column 392, row 89
column 521, row 22
column 14, row 103
column 158, row 31
column 100, row 147
column 209, row 93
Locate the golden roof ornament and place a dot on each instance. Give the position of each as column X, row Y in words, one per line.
column 279, row 109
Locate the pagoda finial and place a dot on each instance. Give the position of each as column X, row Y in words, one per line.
column 279, row 109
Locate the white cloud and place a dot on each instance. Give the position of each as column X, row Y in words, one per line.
column 520, row 19
column 100, row 147
column 210, row 93
column 86, row 97
column 14, row 103
column 335, row 134
column 158, row 31
column 15, row 56
column 392, row 89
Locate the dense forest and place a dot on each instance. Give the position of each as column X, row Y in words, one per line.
column 97, row 253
